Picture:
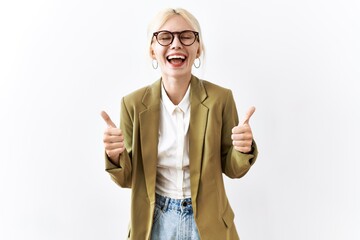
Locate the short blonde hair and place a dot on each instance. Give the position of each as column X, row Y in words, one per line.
column 165, row 15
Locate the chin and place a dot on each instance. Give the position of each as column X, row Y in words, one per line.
column 178, row 72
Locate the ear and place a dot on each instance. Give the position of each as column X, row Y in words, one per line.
column 152, row 53
column 198, row 53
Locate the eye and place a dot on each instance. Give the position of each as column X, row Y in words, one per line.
column 187, row 35
column 164, row 36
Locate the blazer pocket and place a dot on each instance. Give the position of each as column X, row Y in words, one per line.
column 228, row 216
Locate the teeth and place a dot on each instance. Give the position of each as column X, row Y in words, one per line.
column 176, row 56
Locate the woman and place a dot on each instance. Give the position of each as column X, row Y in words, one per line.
column 176, row 139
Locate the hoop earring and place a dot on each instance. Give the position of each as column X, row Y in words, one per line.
column 199, row 63
column 155, row 64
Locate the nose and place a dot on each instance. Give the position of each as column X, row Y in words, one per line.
column 176, row 44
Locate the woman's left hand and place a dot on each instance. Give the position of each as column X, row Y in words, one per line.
column 242, row 135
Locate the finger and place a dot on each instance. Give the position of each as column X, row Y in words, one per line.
column 112, row 146
column 115, row 153
column 107, row 119
column 248, row 115
column 243, row 149
column 113, row 139
column 113, row 131
column 240, row 137
column 241, row 129
column 242, row 143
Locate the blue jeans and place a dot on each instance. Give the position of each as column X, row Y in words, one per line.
column 173, row 220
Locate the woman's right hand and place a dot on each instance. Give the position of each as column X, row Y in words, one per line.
column 113, row 139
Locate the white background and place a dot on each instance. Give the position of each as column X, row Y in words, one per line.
column 62, row 62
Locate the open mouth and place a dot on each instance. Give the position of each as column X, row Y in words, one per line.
column 176, row 59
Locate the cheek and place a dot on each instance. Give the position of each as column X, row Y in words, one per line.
column 194, row 55
column 158, row 52
column 195, row 52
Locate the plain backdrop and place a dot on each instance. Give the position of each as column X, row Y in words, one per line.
column 63, row 62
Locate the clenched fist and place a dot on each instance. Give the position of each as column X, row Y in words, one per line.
column 242, row 135
column 113, row 139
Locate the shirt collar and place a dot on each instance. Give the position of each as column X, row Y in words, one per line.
column 170, row 107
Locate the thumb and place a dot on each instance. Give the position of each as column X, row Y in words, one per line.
column 248, row 115
column 107, row 119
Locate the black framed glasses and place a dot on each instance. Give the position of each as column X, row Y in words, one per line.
column 165, row 38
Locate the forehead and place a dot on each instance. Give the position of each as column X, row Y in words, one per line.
column 176, row 23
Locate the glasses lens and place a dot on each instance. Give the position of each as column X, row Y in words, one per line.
column 187, row 38
column 164, row 38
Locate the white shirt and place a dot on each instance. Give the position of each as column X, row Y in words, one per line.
column 173, row 173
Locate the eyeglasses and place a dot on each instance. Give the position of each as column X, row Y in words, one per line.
column 165, row 38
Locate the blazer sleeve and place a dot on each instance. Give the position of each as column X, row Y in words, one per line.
column 122, row 174
column 234, row 163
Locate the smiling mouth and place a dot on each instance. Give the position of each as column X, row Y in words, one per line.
column 176, row 59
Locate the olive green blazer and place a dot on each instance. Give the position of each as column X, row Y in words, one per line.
column 213, row 114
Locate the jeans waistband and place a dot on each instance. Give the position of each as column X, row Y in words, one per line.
column 175, row 204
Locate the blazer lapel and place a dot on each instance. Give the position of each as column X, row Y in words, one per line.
column 149, row 136
column 197, row 128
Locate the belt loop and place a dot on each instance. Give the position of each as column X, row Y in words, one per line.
column 166, row 204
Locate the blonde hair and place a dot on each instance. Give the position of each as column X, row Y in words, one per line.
column 165, row 15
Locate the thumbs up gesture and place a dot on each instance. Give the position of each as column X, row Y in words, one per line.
column 242, row 135
column 113, row 139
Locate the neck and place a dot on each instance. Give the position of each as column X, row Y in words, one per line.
column 176, row 88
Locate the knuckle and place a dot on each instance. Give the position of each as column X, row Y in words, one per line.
column 107, row 146
column 109, row 153
column 105, row 137
column 113, row 153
